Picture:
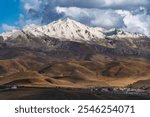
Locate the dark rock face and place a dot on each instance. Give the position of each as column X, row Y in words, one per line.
column 3, row 45
column 122, row 49
column 139, row 47
column 1, row 39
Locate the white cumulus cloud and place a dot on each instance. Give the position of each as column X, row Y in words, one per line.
column 136, row 22
column 129, row 15
column 94, row 17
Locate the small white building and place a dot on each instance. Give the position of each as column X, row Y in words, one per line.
column 14, row 87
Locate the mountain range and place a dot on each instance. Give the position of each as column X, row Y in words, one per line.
column 66, row 32
column 70, row 54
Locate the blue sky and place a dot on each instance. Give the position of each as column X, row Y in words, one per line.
column 129, row 15
column 9, row 11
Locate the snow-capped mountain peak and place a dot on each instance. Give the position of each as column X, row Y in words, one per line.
column 65, row 29
column 68, row 29
column 122, row 34
column 72, row 30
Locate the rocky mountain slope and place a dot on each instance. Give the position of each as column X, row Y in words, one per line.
column 67, row 33
column 70, row 54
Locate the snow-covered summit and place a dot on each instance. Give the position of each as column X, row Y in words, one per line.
column 122, row 34
column 68, row 29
